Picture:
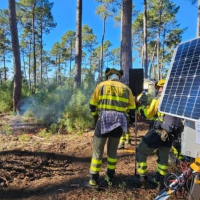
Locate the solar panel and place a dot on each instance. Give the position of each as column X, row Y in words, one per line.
column 181, row 94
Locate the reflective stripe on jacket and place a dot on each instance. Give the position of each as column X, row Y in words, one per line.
column 112, row 95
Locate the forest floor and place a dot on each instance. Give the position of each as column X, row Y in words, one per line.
column 56, row 167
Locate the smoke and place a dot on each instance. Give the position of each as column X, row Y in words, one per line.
column 46, row 106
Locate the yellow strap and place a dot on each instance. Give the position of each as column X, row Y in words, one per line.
column 114, row 160
column 131, row 107
column 142, row 164
column 94, row 103
column 103, row 97
column 94, row 113
column 110, row 107
column 162, row 166
column 141, row 171
column 96, row 162
column 95, row 169
column 162, row 172
column 111, row 166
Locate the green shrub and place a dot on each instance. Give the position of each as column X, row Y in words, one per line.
column 7, row 129
column 61, row 109
column 47, row 106
column 44, row 133
column 77, row 115
column 25, row 89
column 6, row 95
column 23, row 138
column 6, row 101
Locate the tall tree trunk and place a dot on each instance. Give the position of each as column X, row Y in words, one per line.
column 158, row 56
column 151, row 63
column 142, row 56
column 47, row 74
column 158, row 42
column 126, row 39
column 41, row 44
column 16, row 56
column 4, row 67
column 24, row 64
column 101, row 54
column 41, row 53
column 34, row 53
column 0, row 77
column 163, row 53
column 145, row 40
column 70, row 61
column 121, row 39
column 78, row 56
column 59, row 71
column 29, row 66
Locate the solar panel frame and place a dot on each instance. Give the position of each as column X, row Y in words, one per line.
column 181, row 94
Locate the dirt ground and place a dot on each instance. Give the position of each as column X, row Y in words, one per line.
column 56, row 167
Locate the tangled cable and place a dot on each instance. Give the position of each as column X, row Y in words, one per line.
column 180, row 184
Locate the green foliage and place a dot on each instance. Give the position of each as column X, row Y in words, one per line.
column 88, row 83
column 60, row 108
column 105, row 9
column 77, row 115
column 88, row 38
column 193, row 1
column 6, row 101
column 53, row 128
column 6, row 129
column 25, row 89
column 44, row 133
column 162, row 28
column 23, row 138
column 47, row 106
column 6, row 95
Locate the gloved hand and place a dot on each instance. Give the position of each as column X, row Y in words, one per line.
column 131, row 119
column 163, row 135
column 95, row 119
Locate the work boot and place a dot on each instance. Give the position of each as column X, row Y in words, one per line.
column 137, row 181
column 109, row 177
column 108, row 180
column 121, row 145
column 93, row 182
column 153, row 181
column 157, row 181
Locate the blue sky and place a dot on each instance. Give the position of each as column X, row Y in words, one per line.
column 64, row 12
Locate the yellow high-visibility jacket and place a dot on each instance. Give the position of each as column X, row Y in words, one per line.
column 112, row 95
column 152, row 111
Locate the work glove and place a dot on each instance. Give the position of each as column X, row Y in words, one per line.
column 131, row 119
column 163, row 135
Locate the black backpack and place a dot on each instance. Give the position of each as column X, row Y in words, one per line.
column 172, row 124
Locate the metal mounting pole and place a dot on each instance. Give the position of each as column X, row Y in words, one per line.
column 135, row 140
